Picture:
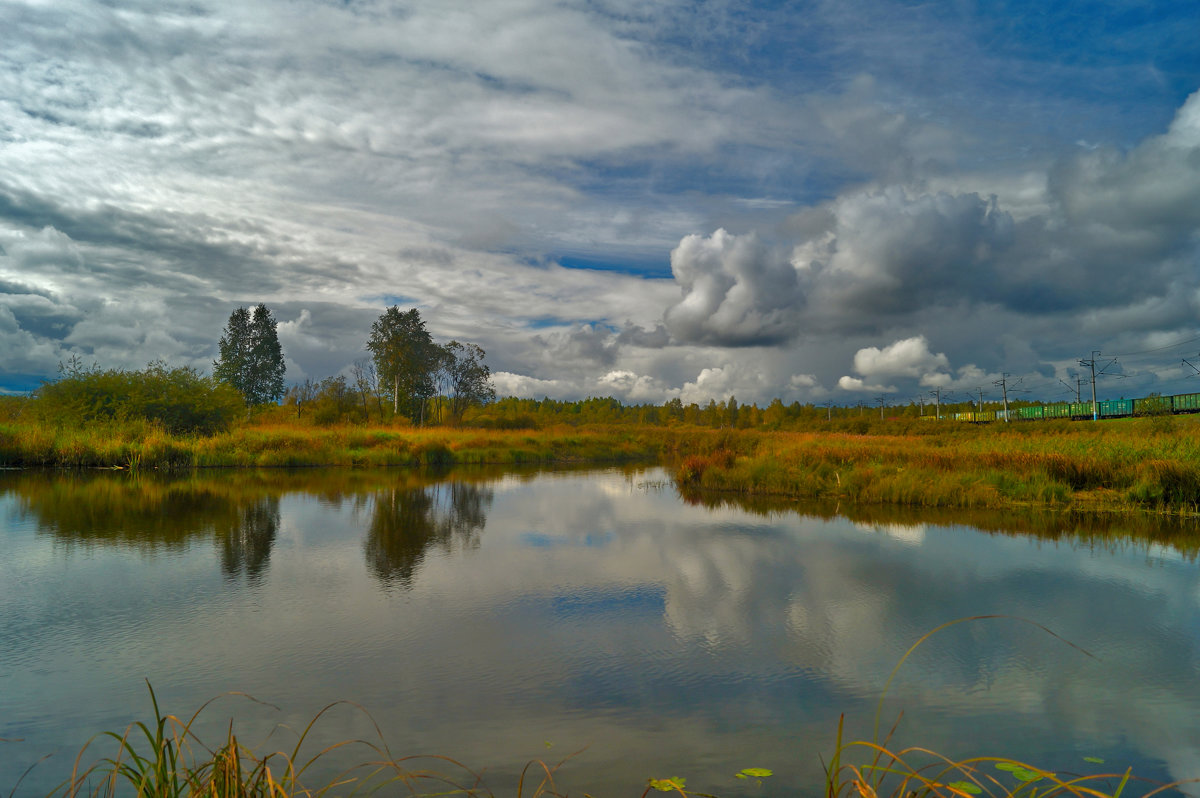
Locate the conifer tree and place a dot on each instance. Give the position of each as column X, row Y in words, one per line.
column 251, row 358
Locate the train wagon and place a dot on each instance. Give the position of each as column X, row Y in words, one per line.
column 1058, row 410
column 1115, row 408
column 1153, row 405
column 1186, row 402
column 1081, row 409
column 1031, row 413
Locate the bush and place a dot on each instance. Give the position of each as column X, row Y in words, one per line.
column 181, row 399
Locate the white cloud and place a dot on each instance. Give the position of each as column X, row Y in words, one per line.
column 847, row 383
column 162, row 165
column 909, row 357
column 735, row 292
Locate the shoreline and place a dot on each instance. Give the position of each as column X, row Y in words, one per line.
column 1130, row 466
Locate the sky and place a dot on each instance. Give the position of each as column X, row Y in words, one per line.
column 844, row 201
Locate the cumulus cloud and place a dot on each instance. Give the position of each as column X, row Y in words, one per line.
column 909, row 357
column 736, row 292
column 895, row 252
column 848, row 383
column 1111, row 230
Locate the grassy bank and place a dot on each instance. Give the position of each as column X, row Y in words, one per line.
column 1132, row 463
column 142, row 445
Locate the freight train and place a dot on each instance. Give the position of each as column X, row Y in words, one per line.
column 1109, row 408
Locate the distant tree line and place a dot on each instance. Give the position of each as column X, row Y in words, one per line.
column 408, row 378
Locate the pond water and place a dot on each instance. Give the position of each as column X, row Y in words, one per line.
column 501, row 617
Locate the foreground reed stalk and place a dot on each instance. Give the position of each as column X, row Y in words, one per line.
column 165, row 759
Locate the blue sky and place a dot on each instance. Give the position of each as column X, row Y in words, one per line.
column 822, row 201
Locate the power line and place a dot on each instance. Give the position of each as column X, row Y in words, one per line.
column 1160, row 348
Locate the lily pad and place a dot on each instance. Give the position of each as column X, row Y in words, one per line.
column 755, row 773
column 965, row 786
column 675, row 783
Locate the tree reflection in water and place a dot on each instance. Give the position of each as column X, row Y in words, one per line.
column 155, row 513
column 246, row 544
column 239, row 511
column 408, row 521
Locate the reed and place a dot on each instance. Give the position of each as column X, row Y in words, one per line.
column 166, row 759
column 1119, row 464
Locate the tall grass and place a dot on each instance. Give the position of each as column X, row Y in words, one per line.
column 1128, row 463
column 166, row 759
column 874, row 769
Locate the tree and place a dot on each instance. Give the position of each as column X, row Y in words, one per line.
column 251, row 358
column 465, row 378
column 366, row 382
column 300, row 395
column 405, row 359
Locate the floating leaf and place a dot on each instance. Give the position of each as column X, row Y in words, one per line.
column 755, row 773
column 1009, row 766
column 547, row 743
column 1095, row 760
column 1025, row 774
column 668, row 785
column 965, row 786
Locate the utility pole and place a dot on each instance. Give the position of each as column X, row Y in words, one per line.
column 1003, row 384
column 937, row 394
column 1075, row 389
column 880, row 399
column 829, row 411
column 979, row 409
column 921, row 405
column 1092, row 365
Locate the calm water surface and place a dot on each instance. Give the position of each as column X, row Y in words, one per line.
column 501, row 617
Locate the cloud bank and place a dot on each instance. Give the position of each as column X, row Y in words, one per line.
column 653, row 202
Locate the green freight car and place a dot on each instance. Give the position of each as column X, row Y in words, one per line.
column 1114, row 408
column 1059, row 410
column 1187, row 403
column 1081, row 409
